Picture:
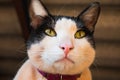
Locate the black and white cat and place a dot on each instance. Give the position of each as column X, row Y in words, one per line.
column 59, row 47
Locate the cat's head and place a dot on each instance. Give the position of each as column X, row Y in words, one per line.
column 62, row 44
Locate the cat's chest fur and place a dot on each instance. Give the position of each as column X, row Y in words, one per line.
column 59, row 45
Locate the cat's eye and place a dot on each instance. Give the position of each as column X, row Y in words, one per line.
column 80, row 34
column 50, row 32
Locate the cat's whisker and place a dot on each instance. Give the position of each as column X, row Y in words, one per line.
column 44, row 50
column 55, row 11
column 21, row 62
column 74, row 12
column 38, row 55
column 22, row 51
column 96, row 63
column 60, row 10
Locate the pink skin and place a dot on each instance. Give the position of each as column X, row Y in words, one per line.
column 66, row 48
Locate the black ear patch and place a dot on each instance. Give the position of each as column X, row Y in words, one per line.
column 90, row 15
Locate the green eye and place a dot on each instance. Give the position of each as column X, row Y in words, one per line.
column 50, row 32
column 80, row 34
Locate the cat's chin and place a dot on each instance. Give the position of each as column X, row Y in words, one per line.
column 64, row 60
column 62, row 67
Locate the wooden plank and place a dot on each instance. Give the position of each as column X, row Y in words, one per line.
column 106, row 74
column 105, row 2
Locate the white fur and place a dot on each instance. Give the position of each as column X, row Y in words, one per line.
column 44, row 54
column 38, row 8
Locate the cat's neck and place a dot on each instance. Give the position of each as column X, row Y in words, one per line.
column 50, row 76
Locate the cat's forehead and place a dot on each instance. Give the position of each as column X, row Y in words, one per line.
column 68, row 22
column 65, row 24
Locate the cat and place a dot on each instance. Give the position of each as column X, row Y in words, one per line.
column 60, row 47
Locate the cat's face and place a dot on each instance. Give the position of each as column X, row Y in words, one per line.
column 60, row 44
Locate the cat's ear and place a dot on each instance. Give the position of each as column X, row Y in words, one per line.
column 37, row 12
column 90, row 15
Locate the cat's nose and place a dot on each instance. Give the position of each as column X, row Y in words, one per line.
column 66, row 48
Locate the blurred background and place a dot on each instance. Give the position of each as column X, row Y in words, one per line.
column 14, row 28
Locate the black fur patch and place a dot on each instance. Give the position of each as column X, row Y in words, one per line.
column 49, row 22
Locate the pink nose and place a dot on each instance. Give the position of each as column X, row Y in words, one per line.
column 66, row 48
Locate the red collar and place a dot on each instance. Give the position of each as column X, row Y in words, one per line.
column 50, row 76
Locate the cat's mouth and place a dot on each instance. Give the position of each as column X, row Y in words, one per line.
column 65, row 59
